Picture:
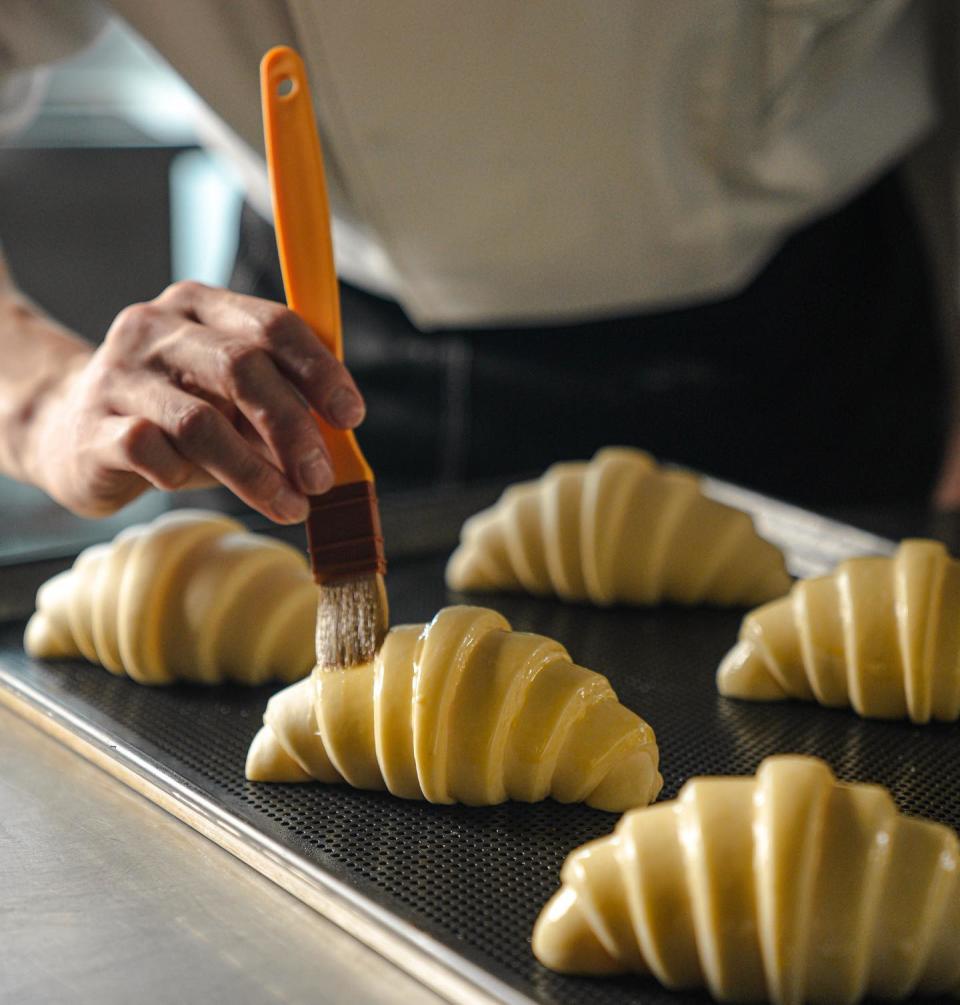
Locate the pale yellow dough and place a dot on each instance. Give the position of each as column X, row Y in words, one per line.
column 191, row 596
column 788, row 887
column 462, row 710
column 879, row 634
column 617, row 529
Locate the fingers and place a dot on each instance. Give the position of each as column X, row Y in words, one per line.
column 239, row 372
column 136, row 444
column 199, row 365
column 201, row 435
column 297, row 351
column 113, row 463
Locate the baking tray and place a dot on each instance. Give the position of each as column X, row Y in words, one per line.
column 451, row 893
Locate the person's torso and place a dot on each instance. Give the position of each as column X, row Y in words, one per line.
column 505, row 161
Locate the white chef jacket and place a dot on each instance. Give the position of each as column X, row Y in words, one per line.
column 523, row 161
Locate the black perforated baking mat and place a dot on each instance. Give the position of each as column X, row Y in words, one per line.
column 469, row 882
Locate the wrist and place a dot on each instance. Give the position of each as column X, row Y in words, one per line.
column 32, row 423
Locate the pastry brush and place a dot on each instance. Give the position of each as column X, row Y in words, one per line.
column 343, row 528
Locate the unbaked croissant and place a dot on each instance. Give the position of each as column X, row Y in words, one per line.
column 618, row 529
column 192, row 595
column 462, row 710
column 879, row 633
column 789, row 887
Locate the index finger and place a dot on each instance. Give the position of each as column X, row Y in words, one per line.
column 201, row 435
column 298, row 351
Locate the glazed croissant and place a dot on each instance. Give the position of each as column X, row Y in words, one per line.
column 462, row 710
column 789, row 887
column 880, row 634
column 192, row 595
column 618, row 529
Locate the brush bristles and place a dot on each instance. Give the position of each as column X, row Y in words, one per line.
column 352, row 619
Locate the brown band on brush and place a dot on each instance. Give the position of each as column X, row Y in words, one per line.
column 344, row 534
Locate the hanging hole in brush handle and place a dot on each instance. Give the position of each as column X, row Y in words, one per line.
column 286, row 87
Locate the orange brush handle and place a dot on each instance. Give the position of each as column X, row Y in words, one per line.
column 301, row 215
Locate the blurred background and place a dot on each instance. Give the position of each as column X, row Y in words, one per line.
column 112, row 151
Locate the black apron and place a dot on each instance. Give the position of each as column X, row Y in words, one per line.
column 821, row 382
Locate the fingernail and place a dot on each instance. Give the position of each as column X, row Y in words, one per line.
column 315, row 474
column 291, row 506
column 346, row 407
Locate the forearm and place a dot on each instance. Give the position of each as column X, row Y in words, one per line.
column 36, row 355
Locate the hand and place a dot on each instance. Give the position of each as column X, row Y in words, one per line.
column 198, row 385
column 946, row 495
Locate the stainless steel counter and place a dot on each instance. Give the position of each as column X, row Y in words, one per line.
column 106, row 898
